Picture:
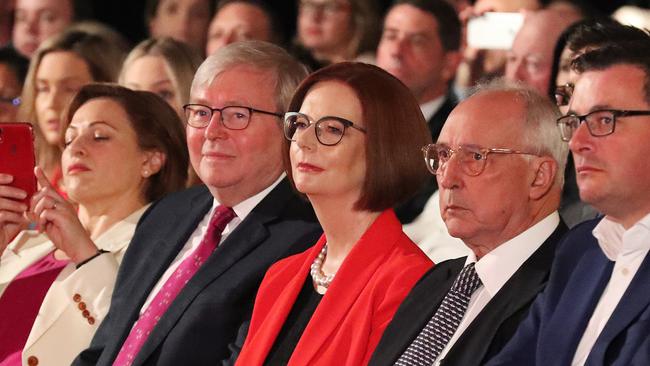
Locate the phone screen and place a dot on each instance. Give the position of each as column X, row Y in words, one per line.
column 17, row 156
column 493, row 30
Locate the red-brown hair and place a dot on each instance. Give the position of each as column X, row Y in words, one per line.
column 396, row 132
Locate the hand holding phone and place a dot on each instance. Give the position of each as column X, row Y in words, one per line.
column 17, row 157
column 493, row 30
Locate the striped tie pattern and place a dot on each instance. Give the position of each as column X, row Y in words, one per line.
column 427, row 346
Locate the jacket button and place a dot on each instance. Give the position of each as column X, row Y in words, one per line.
column 76, row 297
column 82, row 306
column 32, row 361
column 91, row 320
column 85, row 313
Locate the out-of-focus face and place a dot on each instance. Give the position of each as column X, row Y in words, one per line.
column 37, row 20
column 338, row 171
column 184, row 20
column 151, row 73
column 325, row 26
column 10, row 89
column 410, row 49
column 59, row 77
column 565, row 80
column 236, row 164
column 492, row 207
column 102, row 162
column 531, row 57
column 612, row 171
column 237, row 21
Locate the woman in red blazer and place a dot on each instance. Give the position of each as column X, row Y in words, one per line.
column 354, row 150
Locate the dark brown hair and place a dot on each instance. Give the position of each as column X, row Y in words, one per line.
column 157, row 126
column 396, row 131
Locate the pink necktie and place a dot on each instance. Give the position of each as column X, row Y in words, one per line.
column 173, row 286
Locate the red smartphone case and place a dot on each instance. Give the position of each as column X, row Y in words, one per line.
column 17, row 156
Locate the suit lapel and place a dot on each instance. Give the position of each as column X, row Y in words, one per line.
column 271, row 326
column 351, row 279
column 578, row 302
column 149, row 256
column 248, row 235
column 517, row 293
column 634, row 301
column 416, row 310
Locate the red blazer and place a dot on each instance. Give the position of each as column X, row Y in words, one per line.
column 373, row 280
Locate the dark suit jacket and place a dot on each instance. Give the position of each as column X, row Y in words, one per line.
column 493, row 326
column 349, row 320
column 411, row 209
column 207, row 313
column 558, row 318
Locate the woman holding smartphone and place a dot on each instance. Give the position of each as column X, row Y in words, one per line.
column 122, row 150
column 354, row 135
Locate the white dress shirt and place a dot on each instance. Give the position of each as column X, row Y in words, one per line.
column 431, row 107
column 496, row 267
column 627, row 248
column 241, row 209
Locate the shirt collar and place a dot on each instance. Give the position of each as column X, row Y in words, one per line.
column 614, row 240
column 243, row 208
column 496, row 267
column 430, row 108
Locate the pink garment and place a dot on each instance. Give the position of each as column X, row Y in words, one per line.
column 20, row 302
column 161, row 302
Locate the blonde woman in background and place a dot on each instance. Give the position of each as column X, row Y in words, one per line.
column 165, row 67
column 58, row 69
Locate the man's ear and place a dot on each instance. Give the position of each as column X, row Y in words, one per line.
column 545, row 171
column 153, row 162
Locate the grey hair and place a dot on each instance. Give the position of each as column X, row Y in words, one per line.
column 265, row 56
column 541, row 134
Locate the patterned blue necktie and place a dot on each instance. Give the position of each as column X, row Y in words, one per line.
column 436, row 334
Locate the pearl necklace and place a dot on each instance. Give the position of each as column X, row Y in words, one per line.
column 320, row 279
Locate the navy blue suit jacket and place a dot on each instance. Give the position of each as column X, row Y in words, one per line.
column 206, row 315
column 559, row 316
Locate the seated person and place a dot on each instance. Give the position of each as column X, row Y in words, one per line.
column 122, row 150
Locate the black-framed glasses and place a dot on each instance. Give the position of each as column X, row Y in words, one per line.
column 563, row 94
column 329, row 130
column 472, row 158
column 601, row 122
column 13, row 101
column 233, row 117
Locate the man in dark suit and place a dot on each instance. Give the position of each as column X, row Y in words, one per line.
column 420, row 46
column 235, row 139
column 596, row 307
column 499, row 172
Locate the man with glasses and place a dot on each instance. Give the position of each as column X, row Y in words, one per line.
column 596, row 307
column 498, row 170
column 189, row 279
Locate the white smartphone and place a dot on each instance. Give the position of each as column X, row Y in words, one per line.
column 493, row 30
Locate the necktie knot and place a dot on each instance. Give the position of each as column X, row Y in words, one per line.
column 220, row 218
column 467, row 281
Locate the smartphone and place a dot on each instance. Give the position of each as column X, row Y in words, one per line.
column 17, row 156
column 493, row 30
